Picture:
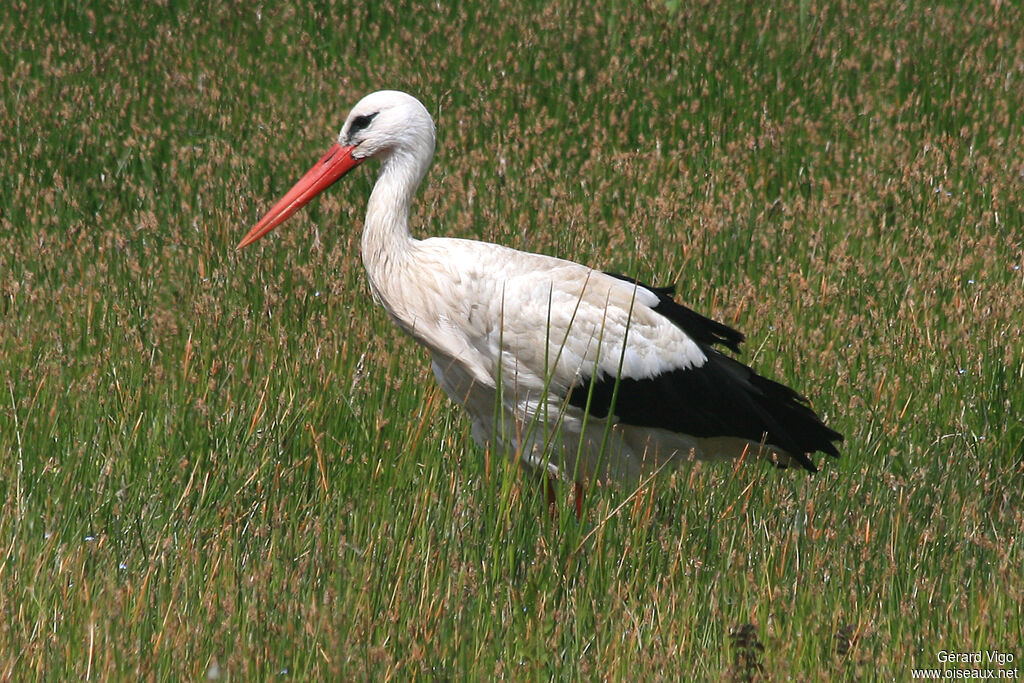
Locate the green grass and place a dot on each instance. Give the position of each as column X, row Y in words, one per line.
column 228, row 463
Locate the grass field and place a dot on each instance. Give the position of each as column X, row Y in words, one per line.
column 232, row 465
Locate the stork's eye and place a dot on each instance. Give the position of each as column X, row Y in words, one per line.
column 361, row 122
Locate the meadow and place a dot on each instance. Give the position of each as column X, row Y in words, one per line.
column 232, row 465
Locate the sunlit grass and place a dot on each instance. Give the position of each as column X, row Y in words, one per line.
column 233, row 464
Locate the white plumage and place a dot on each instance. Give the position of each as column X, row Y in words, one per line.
column 552, row 359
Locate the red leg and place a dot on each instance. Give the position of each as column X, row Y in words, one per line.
column 549, row 488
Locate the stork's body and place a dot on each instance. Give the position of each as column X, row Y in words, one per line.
column 551, row 359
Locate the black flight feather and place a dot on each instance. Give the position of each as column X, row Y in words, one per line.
column 722, row 398
column 700, row 329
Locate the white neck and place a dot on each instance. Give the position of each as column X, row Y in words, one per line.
column 386, row 238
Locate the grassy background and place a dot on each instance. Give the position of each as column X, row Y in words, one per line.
column 232, row 465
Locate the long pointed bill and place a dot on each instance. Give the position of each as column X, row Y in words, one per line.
column 337, row 162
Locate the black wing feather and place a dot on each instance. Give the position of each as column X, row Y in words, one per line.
column 723, row 397
column 701, row 329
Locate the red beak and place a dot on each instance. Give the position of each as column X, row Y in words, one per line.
column 337, row 162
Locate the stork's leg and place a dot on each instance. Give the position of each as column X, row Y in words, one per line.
column 550, row 488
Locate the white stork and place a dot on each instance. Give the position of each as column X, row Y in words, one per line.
column 578, row 372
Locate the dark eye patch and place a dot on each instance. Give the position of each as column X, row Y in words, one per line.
column 361, row 122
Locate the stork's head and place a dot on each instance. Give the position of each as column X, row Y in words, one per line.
column 386, row 122
column 385, row 125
